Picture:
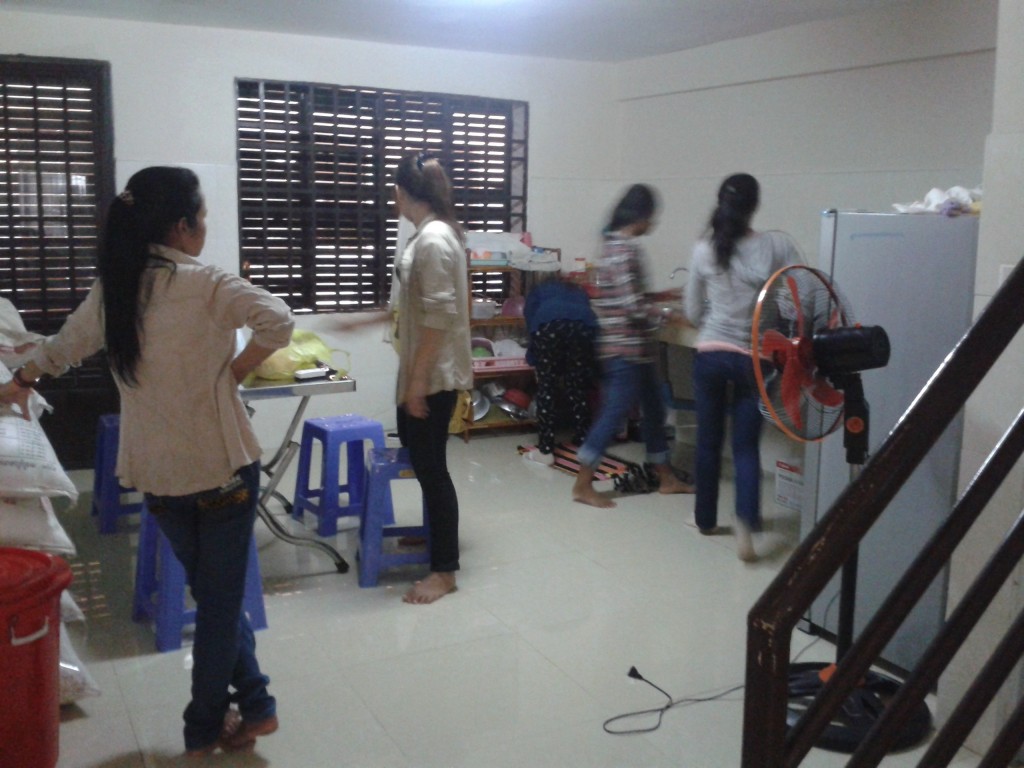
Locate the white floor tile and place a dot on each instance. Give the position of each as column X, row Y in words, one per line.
column 518, row 668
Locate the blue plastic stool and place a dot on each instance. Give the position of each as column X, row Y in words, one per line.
column 325, row 502
column 160, row 587
column 106, row 490
column 377, row 521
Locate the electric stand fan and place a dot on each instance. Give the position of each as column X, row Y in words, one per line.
column 808, row 355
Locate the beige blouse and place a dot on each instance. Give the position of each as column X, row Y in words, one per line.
column 183, row 427
column 434, row 293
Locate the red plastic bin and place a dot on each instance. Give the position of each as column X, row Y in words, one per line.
column 30, row 587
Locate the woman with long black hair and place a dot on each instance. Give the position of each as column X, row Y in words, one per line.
column 730, row 266
column 627, row 348
column 434, row 360
column 168, row 323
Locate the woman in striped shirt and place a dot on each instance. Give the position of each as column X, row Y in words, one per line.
column 627, row 348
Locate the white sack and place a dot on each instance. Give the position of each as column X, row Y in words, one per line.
column 16, row 343
column 30, row 523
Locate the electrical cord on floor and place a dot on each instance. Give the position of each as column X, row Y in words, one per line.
column 660, row 711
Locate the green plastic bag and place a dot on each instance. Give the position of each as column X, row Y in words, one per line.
column 306, row 350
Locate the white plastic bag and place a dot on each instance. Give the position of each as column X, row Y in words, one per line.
column 75, row 681
column 69, row 610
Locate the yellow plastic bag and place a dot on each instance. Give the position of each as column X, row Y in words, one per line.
column 461, row 413
column 306, row 350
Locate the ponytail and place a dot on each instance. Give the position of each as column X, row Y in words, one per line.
column 154, row 200
column 738, row 198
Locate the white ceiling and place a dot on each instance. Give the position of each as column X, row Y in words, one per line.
column 584, row 30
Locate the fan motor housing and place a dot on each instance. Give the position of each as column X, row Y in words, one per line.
column 850, row 349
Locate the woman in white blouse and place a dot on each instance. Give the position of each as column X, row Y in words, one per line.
column 167, row 324
column 434, row 354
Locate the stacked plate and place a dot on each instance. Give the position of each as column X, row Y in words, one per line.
column 481, row 405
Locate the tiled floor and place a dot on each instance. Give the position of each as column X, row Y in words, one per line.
column 520, row 667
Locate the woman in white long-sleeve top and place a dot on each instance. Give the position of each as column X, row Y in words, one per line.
column 730, row 266
column 434, row 360
column 167, row 323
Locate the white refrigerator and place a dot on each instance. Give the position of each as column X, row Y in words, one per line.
column 912, row 274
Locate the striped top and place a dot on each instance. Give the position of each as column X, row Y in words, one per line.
column 622, row 306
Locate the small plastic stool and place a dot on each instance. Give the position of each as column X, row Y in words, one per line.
column 376, row 523
column 106, row 490
column 325, row 502
column 160, row 587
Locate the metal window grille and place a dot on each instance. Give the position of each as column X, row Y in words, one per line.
column 56, row 167
column 56, row 176
column 316, row 222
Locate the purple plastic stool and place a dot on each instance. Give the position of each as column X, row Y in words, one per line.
column 376, row 523
column 333, row 432
column 160, row 587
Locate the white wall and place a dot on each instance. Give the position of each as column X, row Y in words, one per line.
column 1000, row 397
column 856, row 113
column 173, row 94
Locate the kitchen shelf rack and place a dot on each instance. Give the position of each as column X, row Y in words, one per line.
column 510, row 371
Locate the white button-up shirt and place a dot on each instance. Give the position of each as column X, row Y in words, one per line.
column 183, row 428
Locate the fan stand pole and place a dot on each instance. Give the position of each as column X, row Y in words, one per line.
column 855, row 441
column 865, row 703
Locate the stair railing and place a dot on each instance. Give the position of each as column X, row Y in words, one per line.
column 768, row 741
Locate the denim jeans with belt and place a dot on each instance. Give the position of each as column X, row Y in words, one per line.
column 210, row 533
column 712, row 373
column 625, row 382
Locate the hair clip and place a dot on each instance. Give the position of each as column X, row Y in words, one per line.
column 422, row 158
column 126, row 197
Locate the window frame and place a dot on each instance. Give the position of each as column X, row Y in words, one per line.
column 316, row 223
column 48, row 286
column 48, row 267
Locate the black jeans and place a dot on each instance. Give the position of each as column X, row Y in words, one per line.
column 427, row 441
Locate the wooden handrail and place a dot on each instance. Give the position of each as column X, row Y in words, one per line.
column 766, row 741
column 905, row 595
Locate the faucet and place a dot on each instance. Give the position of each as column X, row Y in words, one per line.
column 674, row 272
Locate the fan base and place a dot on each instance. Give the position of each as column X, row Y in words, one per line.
column 859, row 712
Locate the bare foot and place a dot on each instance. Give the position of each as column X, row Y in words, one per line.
column 430, row 589
column 669, row 483
column 585, row 494
column 745, row 543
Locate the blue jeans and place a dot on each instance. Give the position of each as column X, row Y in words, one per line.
column 210, row 533
column 712, row 374
column 624, row 384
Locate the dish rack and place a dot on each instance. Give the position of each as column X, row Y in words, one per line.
column 512, row 371
column 500, row 365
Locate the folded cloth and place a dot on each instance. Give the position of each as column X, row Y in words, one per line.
column 535, row 262
column 950, row 202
